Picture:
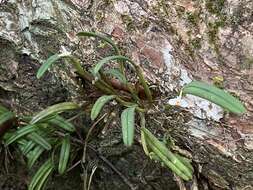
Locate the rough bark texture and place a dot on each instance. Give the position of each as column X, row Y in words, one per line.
column 174, row 41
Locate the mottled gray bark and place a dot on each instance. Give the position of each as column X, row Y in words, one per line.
column 174, row 41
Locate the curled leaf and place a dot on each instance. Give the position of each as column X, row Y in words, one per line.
column 215, row 95
column 127, row 124
column 64, row 155
column 99, row 104
column 55, row 109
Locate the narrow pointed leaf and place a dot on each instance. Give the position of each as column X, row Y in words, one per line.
column 47, row 64
column 20, row 133
column 6, row 117
column 117, row 74
column 105, row 60
column 167, row 156
column 28, row 147
column 99, row 104
column 39, row 177
column 64, row 155
column 3, row 109
column 127, row 124
column 55, row 109
column 62, row 123
column 34, row 155
column 215, row 95
column 101, row 37
column 35, row 137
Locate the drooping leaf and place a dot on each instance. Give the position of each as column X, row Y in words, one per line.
column 62, row 123
column 34, row 155
column 6, row 117
column 99, row 105
column 20, row 133
column 35, row 137
column 117, row 74
column 55, row 109
column 166, row 156
column 64, row 155
column 127, row 124
column 41, row 175
column 215, row 95
column 101, row 37
column 47, row 64
column 105, row 60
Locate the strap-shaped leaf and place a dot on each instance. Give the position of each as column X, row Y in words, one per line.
column 64, row 155
column 117, row 74
column 47, row 64
column 215, row 95
column 28, row 147
column 3, row 109
column 101, row 37
column 127, row 124
column 62, row 123
column 41, row 175
column 35, row 137
column 168, row 158
column 6, row 117
column 34, row 155
column 105, row 60
column 55, row 109
column 20, row 133
column 99, row 104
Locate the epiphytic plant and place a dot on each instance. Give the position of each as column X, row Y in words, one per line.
column 34, row 134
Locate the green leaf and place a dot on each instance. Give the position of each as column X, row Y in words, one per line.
column 166, row 156
column 41, row 175
column 6, row 117
column 105, row 60
column 3, row 109
column 55, row 109
column 99, row 105
column 47, row 64
column 117, row 74
column 28, row 147
column 62, row 123
column 34, row 155
column 39, row 140
column 127, row 123
column 215, row 95
column 20, row 133
column 101, row 37
column 64, row 155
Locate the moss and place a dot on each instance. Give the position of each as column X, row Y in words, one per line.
column 128, row 21
column 215, row 6
column 192, row 18
column 196, row 43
